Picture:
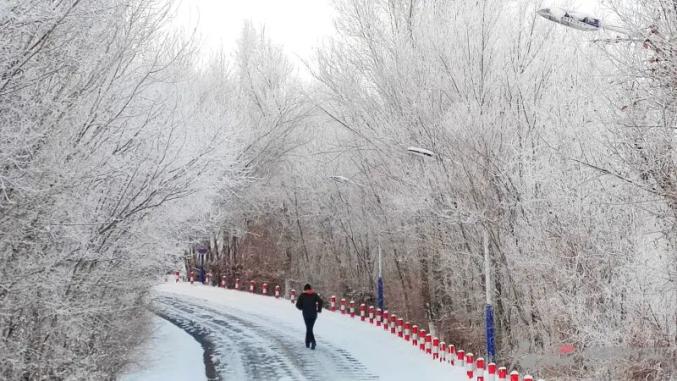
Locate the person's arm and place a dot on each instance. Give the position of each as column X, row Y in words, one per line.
column 319, row 304
column 299, row 302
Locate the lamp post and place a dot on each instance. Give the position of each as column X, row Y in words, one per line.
column 579, row 20
column 488, row 285
column 380, row 300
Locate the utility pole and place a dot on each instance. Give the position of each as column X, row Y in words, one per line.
column 379, row 282
column 489, row 309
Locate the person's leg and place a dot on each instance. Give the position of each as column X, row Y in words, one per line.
column 310, row 325
column 309, row 331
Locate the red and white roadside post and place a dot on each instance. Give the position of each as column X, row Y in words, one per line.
column 436, row 348
column 443, row 352
column 393, row 324
column 277, row 291
column 491, row 370
column 400, row 327
column 414, row 335
column 428, row 344
column 421, row 339
column 460, row 358
column 528, row 378
column 480, row 368
column 502, row 373
column 452, row 354
column 407, row 331
column 332, row 303
column 343, row 306
column 514, row 376
column 292, row 296
column 386, row 320
column 223, row 281
column 470, row 365
column 352, row 309
column 363, row 312
column 192, row 277
column 252, row 286
column 177, row 277
column 237, row 283
column 264, row 288
column 379, row 317
column 371, row 314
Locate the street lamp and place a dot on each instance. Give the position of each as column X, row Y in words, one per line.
column 578, row 20
column 380, row 301
column 488, row 286
column 340, row 179
column 421, row 151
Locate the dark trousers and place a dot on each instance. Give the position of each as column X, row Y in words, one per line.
column 310, row 322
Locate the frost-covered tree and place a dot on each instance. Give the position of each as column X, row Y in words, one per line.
column 98, row 161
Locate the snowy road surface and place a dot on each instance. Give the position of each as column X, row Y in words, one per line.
column 254, row 337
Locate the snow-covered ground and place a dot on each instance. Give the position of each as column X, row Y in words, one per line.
column 254, row 337
column 171, row 354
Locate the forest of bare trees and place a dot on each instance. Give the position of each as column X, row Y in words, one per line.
column 122, row 148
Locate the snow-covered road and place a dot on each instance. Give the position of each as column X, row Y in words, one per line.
column 253, row 337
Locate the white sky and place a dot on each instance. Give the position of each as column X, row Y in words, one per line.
column 298, row 25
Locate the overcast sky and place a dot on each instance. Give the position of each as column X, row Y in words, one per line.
column 298, row 25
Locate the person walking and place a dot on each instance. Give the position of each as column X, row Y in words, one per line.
column 311, row 304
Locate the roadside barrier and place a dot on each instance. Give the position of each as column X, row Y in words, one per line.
column 451, row 349
column 386, row 320
column 491, row 369
column 502, row 373
column 480, row 368
column 460, row 358
column 421, row 340
column 407, row 331
column 470, row 365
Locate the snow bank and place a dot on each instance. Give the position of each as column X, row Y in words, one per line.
column 171, row 354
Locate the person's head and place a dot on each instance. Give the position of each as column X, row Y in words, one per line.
column 307, row 287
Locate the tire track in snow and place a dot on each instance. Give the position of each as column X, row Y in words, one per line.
column 247, row 346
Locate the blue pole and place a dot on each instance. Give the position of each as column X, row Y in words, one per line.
column 379, row 293
column 490, row 332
